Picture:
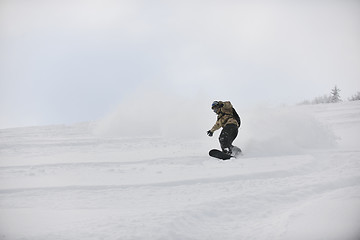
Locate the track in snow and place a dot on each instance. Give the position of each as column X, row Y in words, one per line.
column 62, row 182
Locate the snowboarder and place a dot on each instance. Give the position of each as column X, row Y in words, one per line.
column 229, row 120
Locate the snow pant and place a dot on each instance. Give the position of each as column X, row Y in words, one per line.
column 227, row 136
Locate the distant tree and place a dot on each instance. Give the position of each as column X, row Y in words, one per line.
column 355, row 97
column 318, row 100
column 335, row 95
column 322, row 99
column 305, row 102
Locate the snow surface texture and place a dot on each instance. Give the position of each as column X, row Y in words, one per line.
column 299, row 178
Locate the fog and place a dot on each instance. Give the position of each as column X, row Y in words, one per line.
column 264, row 131
column 72, row 61
column 283, row 131
column 151, row 113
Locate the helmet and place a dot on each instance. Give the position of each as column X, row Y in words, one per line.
column 214, row 105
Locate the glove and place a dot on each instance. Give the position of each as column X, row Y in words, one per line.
column 210, row 133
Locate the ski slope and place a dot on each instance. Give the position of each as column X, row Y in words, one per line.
column 299, row 178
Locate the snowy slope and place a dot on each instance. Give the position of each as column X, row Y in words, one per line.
column 299, row 178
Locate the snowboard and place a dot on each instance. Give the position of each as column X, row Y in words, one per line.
column 219, row 154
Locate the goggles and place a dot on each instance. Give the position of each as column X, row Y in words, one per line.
column 214, row 105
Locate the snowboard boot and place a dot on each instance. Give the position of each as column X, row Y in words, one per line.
column 227, row 151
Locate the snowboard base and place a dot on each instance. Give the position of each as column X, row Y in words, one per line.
column 219, row 154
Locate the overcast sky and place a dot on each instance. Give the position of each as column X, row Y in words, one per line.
column 64, row 61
